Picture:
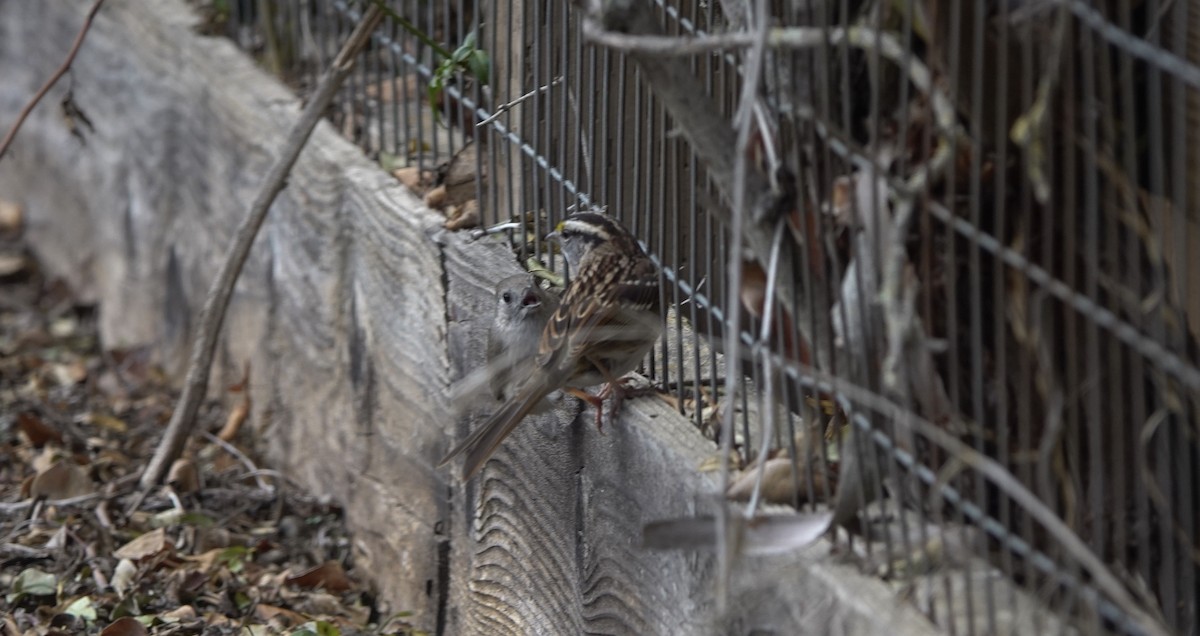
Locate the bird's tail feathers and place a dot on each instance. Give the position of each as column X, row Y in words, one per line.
column 480, row 445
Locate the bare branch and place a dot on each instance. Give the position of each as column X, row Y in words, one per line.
column 504, row 108
column 217, row 301
column 62, row 70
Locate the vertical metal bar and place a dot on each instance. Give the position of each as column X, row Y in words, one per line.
column 536, row 193
column 514, row 205
column 1183, row 199
column 1091, row 260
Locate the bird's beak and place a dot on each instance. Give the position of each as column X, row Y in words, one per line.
column 556, row 235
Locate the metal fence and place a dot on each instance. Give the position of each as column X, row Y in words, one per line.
column 990, row 319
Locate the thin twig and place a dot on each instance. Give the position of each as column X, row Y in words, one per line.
column 18, row 506
column 251, row 467
column 62, row 70
column 764, row 344
column 217, row 301
column 504, row 108
column 269, row 472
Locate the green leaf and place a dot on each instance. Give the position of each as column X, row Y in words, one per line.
column 82, row 607
column 234, row 557
column 242, row 600
column 33, row 582
column 464, row 49
column 480, row 65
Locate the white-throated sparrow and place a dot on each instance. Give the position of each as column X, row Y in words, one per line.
column 607, row 321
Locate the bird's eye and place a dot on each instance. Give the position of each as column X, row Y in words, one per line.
column 507, row 297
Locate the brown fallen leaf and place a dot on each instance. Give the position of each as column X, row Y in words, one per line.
column 241, row 410
column 328, row 575
column 62, row 480
column 321, row 603
column 286, row 617
column 181, row 613
column 37, row 431
column 462, row 175
column 415, row 179
column 206, row 560
column 184, row 477
column 461, row 217
column 125, row 626
column 436, row 197
column 237, row 416
column 11, row 625
column 108, row 422
column 70, row 373
column 148, row 545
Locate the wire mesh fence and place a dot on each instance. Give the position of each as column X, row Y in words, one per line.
column 979, row 304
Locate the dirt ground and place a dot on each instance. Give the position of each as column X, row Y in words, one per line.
column 229, row 546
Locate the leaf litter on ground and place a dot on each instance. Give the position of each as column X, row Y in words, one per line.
column 216, row 551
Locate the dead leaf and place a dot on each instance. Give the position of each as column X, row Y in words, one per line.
column 11, row 217
column 58, row 540
column 436, row 197
column 237, row 416
column 45, row 459
column 462, row 175
column 288, row 618
column 463, row 216
column 320, row 603
column 63, row 480
column 184, row 477
column 70, row 373
column 205, row 561
column 37, row 431
column 415, row 179
column 106, row 422
column 181, row 613
column 328, row 575
column 125, row 626
column 145, row 546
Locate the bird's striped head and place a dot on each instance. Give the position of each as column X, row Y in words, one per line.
column 581, row 232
